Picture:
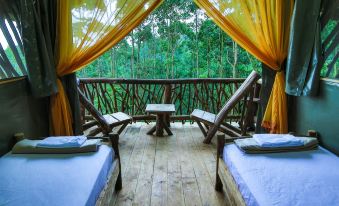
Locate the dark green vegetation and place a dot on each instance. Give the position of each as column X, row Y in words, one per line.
column 176, row 41
column 330, row 68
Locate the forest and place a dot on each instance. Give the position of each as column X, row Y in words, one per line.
column 176, row 41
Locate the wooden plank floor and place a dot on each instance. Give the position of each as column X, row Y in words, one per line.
column 171, row 170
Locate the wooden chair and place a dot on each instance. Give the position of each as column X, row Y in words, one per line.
column 103, row 123
column 213, row 122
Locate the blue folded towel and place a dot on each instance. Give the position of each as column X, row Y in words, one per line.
column 277, row 140
column 62, row 142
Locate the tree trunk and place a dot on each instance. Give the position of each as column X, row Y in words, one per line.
column 154, row 49
column 208, row 57
column 196, row 43
column 173, row 45
column 132, row 55
column 166, row 61
column 113, row 62
column 138, row 64
column 234, row 61
column 235, row 58
column 221, row 49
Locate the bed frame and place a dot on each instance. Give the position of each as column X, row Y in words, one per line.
column 224, row 179
column 114, row 181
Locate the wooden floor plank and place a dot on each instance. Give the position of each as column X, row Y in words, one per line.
column 175, row 194
column 127, row 143
column 143, row 190
column 159, row 187
column 205, row 167
column 169, row 170
column 189, row 182
column 132, row 168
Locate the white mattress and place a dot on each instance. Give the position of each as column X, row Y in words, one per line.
column 293, row 178
column 60, row 179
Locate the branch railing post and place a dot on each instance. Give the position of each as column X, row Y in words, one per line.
column 132, row 95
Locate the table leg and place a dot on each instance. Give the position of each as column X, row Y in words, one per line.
column 167, row 120
column 169, row 132
column 152, row 130
column 160, row 125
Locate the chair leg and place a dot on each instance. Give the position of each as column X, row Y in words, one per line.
column 122, row 128
column 210, row 134
column 206, row 126
column 208, row 139
column 202, row 129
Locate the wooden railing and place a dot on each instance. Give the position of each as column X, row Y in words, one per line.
column 132, row 95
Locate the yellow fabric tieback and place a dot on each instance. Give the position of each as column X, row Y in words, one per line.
column 275, row 118
column 61, row 116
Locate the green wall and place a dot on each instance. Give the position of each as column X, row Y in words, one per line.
column 20, row 112
column 320, row 113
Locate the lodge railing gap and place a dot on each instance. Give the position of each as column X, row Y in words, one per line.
column 132, row 95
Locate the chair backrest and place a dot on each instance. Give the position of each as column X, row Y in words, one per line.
column 241, row 92
column 94, row 112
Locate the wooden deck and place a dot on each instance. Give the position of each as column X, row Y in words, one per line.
column 170, row 170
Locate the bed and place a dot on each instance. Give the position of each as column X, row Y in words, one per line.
column 61, row 179
column 290, row 178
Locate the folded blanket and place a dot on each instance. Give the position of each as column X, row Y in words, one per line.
column 62, row 142
column 277, row 140
column 249, row 145
column 27, row 146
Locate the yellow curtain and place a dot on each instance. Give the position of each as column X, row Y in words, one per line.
column 85, row 30
column 262, row 28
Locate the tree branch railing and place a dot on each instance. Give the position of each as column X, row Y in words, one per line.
column 132, row 95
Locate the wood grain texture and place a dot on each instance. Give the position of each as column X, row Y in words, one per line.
column 170, row 170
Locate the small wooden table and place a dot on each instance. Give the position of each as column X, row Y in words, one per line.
column 162, row 111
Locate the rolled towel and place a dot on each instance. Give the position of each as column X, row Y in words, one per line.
column 27, row 146
column 249, row 145
column 62, row 142
column 277, row 140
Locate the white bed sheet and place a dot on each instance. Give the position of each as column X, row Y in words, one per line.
column 59, row 179
column 284, row 179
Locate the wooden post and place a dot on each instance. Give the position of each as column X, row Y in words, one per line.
column 167, row 100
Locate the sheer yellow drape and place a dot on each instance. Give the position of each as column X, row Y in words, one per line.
column 85, row 30
column 262, row 28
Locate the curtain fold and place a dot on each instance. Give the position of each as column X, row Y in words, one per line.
column 267, row 79
column 304, row 55
column 85, row 30
column 262, row 28
column 38, row 23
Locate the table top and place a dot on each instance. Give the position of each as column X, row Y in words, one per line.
column 160, row 108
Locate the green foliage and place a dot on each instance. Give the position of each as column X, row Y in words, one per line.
column 330, row 68
column 176, row 41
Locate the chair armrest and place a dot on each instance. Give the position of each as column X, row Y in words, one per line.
column 105, row 139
